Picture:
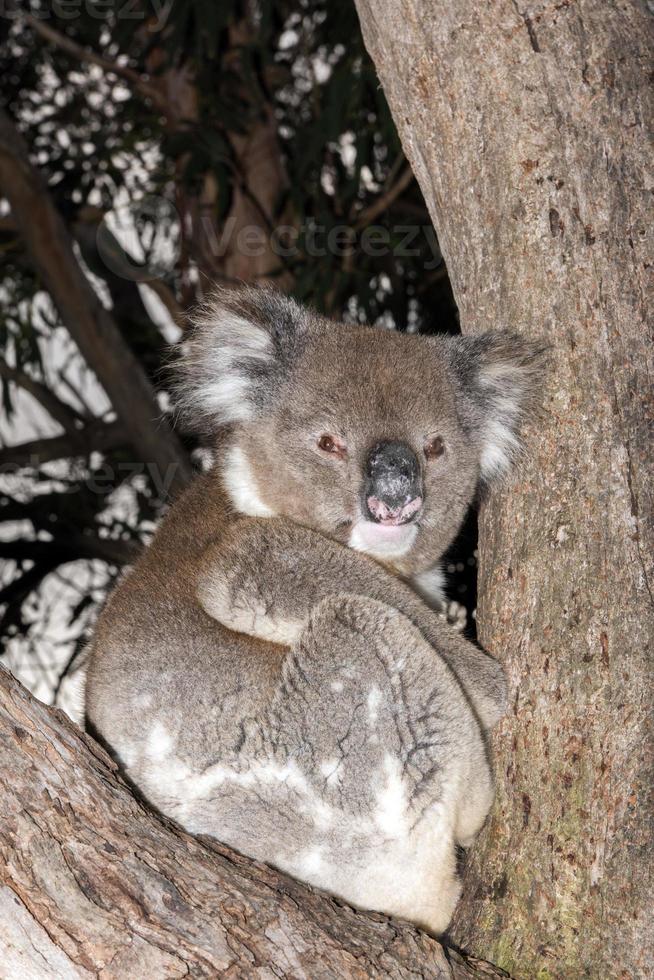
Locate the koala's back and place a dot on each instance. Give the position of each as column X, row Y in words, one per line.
column 157, row 657
column 344, row 761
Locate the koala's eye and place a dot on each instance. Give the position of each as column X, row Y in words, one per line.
column 435, row 448
column 332, row 445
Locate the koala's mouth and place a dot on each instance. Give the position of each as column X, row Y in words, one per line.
column 388, row 516
column 383, row 540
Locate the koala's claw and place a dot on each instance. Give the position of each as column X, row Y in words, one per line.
column 455, row 614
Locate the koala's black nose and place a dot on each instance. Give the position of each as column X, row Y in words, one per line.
column 392, row 487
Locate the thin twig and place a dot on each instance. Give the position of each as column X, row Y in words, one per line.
column 72, row 661
column 384, row 201
column 71, row 547
column 64, row 414
column 98, row 436
column 164, row 293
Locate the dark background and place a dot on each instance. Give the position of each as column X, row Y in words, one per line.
column 160, row 132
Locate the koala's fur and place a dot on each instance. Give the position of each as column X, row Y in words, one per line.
column 267, row 673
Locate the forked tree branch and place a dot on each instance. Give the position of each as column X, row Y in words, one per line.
column 94, row 883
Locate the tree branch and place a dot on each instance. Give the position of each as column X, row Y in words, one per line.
column 95, row 882
column 385, row 200
column 137, row 82
column 137, row 328
column 13, row 595
column 71, row 548
column 167, row 297
column 90, row 325
column 98, row 436
column 64, row 414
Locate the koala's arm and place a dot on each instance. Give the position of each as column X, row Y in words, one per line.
column 264, row 577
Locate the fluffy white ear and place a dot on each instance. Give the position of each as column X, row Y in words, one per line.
column 240, row 345
column 499, row 377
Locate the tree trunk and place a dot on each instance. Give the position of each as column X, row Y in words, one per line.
column 530, row 132
column 94, row 884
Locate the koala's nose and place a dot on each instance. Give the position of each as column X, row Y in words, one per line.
column 392, row 487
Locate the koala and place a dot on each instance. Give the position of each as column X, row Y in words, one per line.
column 272, row 672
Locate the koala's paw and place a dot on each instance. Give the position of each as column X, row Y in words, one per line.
column 244, row 612
column 455, row 614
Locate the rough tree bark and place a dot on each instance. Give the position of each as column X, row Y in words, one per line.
column 92, row 884
column 530, row 131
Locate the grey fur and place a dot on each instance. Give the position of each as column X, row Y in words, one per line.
column 263, row 682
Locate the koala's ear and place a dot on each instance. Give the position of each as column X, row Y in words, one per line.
column 241, row 345
column 499, row 376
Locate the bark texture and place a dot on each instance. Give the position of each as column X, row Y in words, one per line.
column 92, row 884
column 529, row 128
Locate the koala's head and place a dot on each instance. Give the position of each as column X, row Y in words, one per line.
column 376, row 438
